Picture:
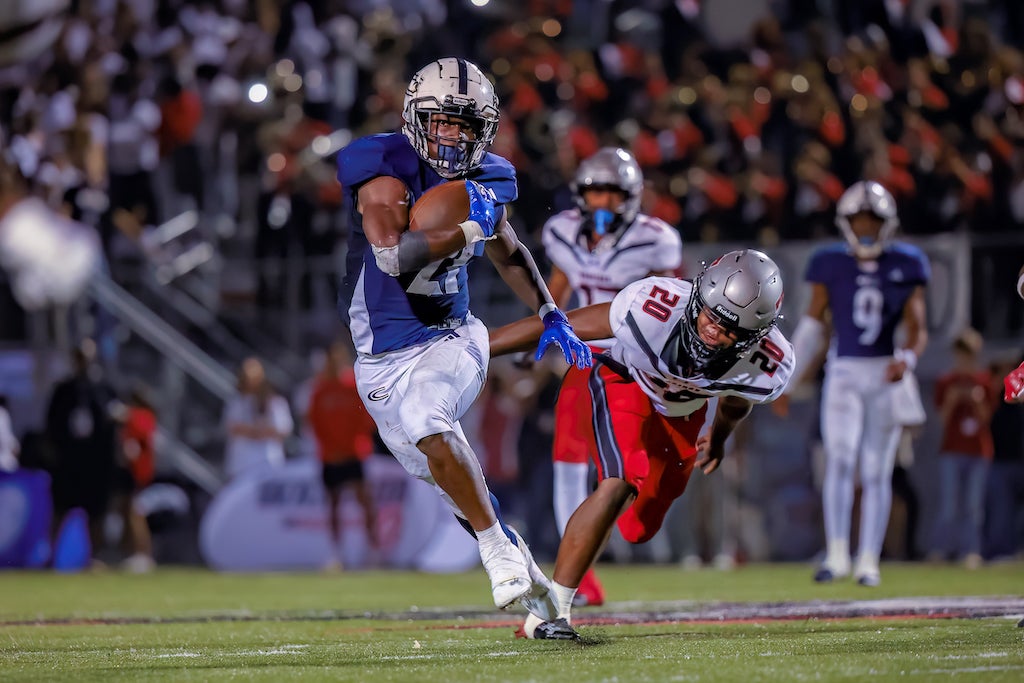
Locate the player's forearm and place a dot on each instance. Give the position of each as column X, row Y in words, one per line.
column 731, row 411
column 519, row 271
column 521, row 335
column 589, row 323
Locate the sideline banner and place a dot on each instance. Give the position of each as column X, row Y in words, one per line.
column 26, row 511
column 276, row 519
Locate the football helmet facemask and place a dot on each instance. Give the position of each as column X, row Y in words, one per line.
column 867, row 196
column 742, row 292
column 609, row 168
column 456, row 88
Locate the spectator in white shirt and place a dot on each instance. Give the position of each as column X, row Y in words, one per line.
column 257, row 422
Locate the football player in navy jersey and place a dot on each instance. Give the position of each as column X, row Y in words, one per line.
column 422, row 356
column 870, row 284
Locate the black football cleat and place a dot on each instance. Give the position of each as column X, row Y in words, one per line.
column 559, row 629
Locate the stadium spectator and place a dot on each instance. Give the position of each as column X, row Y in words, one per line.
column 136, row 470
column 344, row 435
column 965, row 401
column 82, row 424
column 257, row 422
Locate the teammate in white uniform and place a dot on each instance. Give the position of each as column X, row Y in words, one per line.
column 422, row 356
column 676, row 345
column 870, row 284
column 596, row 249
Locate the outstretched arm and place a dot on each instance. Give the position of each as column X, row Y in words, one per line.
column 590, row 322
column 516, row 266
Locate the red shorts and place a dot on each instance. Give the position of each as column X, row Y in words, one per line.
column 611, row 420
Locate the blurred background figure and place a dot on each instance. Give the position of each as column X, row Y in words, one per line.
column 135, row 472
column 10, row 449
column 1004, row 497
column 257, row 422
column 345, row 439
column 965, row 401
column 82, row 423
column 869, row 284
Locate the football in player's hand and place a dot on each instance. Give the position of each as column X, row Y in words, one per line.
column 438, row 213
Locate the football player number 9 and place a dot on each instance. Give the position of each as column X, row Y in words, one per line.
column 867, row 313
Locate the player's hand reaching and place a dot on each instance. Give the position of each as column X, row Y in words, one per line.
column 709, row 455
column 481, row 208
column 557, row 330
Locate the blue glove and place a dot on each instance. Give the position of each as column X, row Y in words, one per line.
column 557, row 330
column 481, row 207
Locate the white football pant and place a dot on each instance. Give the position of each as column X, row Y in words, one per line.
column 860, row 435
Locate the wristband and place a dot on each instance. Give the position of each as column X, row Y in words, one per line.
column 473, row 232
column 907, row 357
column 545, row 309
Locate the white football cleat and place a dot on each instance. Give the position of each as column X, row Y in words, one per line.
column 538, row 602
column 507, row 569
column 867, row 572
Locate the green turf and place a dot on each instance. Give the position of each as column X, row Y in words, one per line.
column 306, row 626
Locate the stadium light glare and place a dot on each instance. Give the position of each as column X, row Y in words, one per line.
column 258, row 93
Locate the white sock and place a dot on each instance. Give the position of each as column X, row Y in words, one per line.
column 570, row 490
column 562, row 597
column 488, row 538
column 837, row 554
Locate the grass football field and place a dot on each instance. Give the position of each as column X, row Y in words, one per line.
column 757, row 623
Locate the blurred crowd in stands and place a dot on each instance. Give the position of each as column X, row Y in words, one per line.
column 749, row 118
column 144, row 107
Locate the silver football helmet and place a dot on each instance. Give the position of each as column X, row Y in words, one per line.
column 455, row 87
column 613, row 168
column 742, row 292
column 867, row 196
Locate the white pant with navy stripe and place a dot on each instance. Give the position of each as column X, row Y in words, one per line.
column 424, row 390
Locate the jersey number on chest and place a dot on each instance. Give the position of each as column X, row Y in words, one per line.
column 440, row 277
column 867, row 313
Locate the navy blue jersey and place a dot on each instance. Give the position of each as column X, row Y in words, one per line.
column 386, row 313
column 867, row 298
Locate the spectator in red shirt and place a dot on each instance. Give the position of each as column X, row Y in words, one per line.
column 344, row 434
column 136, row 470
column 965, row 400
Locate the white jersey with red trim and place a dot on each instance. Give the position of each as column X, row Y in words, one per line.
column 648, row 245
column 645, row 318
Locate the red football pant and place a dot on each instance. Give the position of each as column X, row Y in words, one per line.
column 627, row 439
